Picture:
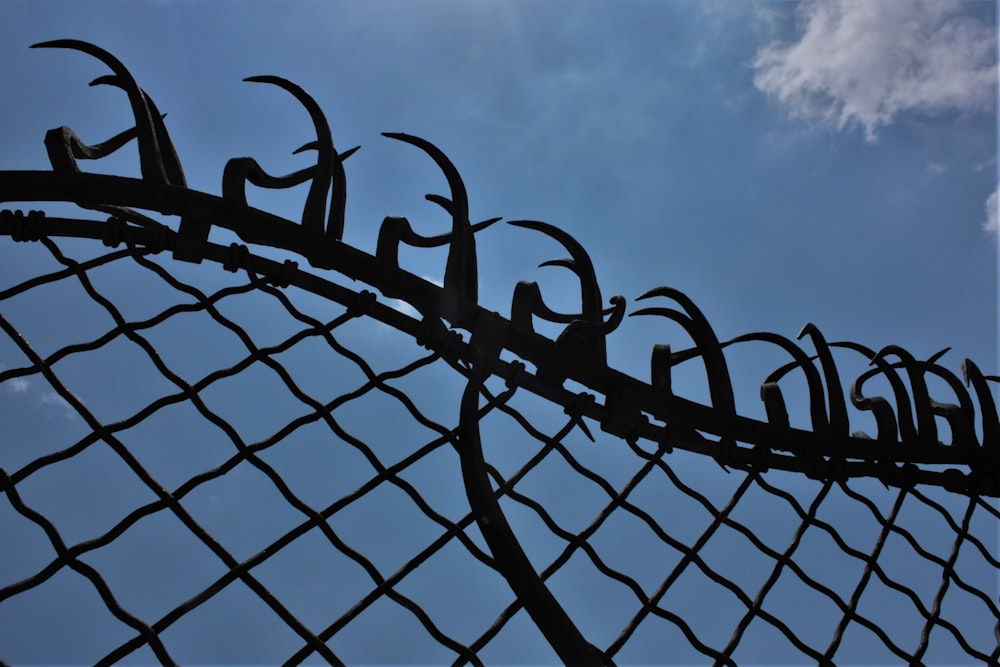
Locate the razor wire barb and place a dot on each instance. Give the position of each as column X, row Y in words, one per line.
column 901, row 469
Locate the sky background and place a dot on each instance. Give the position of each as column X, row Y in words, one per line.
column 736, row 151
column 830, row 162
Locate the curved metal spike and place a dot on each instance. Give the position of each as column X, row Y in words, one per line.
column 662, row 290
column 314, row 145
column 443, row 202
column 168, row 154
column 684, row 300
column 618, row 304
column 484, row 224
column 461, row 278
column 817, row 410
column 987, row 405
column 459, row 198
column 565, row 263
column 907, row 430
column 308, row 146
column 937, row 355
column 926, row 427
column 328, row 172
column 697, row 327
column 885, row 418
column 590, row 292
column 586, row 335
column 961, row 417
column 150, row 160
column 839, row 422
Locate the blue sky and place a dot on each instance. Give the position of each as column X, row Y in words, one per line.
column 827, row 162
column 707, row 146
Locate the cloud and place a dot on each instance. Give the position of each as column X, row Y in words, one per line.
column 17, row 385
column 858, row 63
column 55, row 400
column 407, row 309
column 992, row 223
column 985, row 164
column 403, row 307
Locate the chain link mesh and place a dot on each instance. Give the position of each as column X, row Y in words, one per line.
column 201, row 466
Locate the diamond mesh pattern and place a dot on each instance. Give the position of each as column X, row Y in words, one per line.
column 200, row 466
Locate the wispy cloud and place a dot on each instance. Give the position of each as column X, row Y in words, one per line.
column 406, row 308
column 53, row 399
column 403, row 307
column 985, row 164
column 992, row 223
column 17, row 385
column 858, row 63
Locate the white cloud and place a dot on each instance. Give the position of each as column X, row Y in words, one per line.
column 992, row 216
column 407, row 309
column 936, row 168
column 55, row 400
column 859, row 63
column 403, row 307
column 17, row 385
column 985, row 164
column 437, row 281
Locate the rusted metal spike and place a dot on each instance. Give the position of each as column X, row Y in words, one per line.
column 461, row 277
column 446, row 204
column 903, row 415
column 591, row 305
column 926, row 427
column 584, row 337
column 697, row 326
column 168, row 154
column 327, row 174
column 839, row 423
column 960, row 417
column 987, row 404
column 881, row 409
column 817, row 410
column 150, row 157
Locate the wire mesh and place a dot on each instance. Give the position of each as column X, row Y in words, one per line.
column 262, row 464
column 203, row 466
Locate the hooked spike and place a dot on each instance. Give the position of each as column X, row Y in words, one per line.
column 461, row 279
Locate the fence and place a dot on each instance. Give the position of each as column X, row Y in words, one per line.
column 276, row 463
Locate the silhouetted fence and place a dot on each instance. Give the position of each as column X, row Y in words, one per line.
column 271, row 463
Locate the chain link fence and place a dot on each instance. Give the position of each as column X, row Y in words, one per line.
column 212, row 455
column 201, row 466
